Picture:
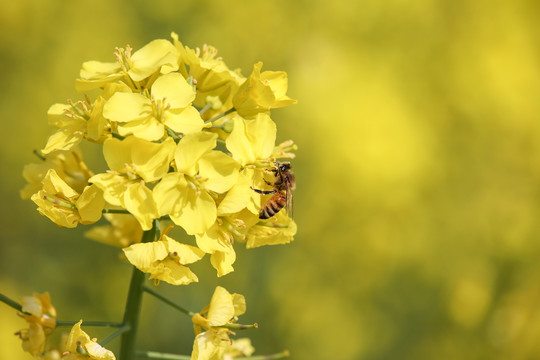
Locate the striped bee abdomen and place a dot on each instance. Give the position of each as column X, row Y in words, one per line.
column 273, row 205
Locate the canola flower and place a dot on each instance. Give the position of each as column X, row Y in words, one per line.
column 186, row 140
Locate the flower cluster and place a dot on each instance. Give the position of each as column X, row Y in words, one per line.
column 186, row 139
column 216, row 320
column 41, row 317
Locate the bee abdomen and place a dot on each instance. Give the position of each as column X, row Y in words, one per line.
column 273, row 206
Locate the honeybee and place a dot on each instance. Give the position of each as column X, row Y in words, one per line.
column 282, row 190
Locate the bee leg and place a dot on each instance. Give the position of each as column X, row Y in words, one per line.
column 263, row 191
column 268, row 182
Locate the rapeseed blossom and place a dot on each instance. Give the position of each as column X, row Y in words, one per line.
column 211, row 334
column 41, row 317
column 186, row 140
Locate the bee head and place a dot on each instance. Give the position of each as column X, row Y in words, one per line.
column 283, row 167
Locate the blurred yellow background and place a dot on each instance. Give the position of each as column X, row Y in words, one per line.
column 418, row 174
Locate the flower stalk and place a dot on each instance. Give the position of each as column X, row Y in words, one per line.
column 133, row 306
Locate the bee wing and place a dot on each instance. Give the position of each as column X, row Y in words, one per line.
column 290, row 204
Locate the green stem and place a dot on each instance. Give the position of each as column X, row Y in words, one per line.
column 133, row 305
column 158, row 355
column 115, row 211
column 240, row 326
column 165, row 356
column 280, row 355
column 168, row 302
column 12, row 303
column 174, row 135
column 118, row 136
column 38, row 154
column 115, row 334
column 205, row 108
column 217, row 117
column 89, row 323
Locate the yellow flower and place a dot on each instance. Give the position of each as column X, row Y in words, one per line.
column 165, row 259
column 169, row 106
column 123, row 231
column 134, row 162
column 280, row 231
column 239, row 347
column 223, row 310
column 79, row 342
column 186, row 195
column 67, row 164
column 215, row 82
column 41, row 316
column 157, row 56
column 251, row 143
column 262, row 92
column 218, row 240
column 65, row 206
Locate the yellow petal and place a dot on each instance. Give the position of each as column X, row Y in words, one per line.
column 185, row 121
column 186, row 254
column 125, row 107
column 198, row 213
column 209, row 345
column 98, row 70
column 152, row 160
column 220, row 169
column 239, row 302
column 117, row 153
column 252, row 140
column 35, row 339
column 222, row 261
column 97, row 124
column 239, row 196
column 213, row 240
column 97, row 351
column 175, row 89
column 144, row 255
column 221, row 309
column 53, row 184
column 157, row 55
column 149, row 129
column 267, row 235
column 113, row 187
column 173, row 273
column 170, row 194
column 76, row 337
column 90, row 204
column 138, row 200
column 190, row 149
column 63, row 139
column 31, row 305
column 95, row 74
